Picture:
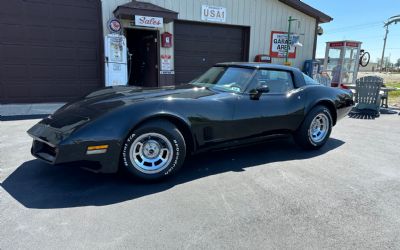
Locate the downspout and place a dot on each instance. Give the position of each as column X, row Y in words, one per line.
column 315, row 39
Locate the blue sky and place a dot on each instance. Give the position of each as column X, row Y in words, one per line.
column 361, row 21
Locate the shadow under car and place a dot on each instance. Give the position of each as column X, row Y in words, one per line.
column 41, row 186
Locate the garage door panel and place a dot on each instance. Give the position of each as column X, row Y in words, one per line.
column 37, row 13
column 49, row 49
column 13, row 72
column 11, row 33
column 38, row 35
column 88, row 55
column 10, row 10
column 199, row 46
column 78, row 3
column 11, row 53
column 17, row 91
column 87, row 37
column 62, row 91
column 88, row 72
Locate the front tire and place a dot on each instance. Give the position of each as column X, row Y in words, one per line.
column 316, row 128
column 154, row 151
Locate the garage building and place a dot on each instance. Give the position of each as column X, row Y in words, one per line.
column 53, row 50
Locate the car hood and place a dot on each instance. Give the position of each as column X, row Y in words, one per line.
column 100, row 102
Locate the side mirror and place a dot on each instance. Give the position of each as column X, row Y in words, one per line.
column 255, row 94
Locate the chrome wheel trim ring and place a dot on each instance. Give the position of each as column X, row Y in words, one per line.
column 319, row 128
column 151, row 153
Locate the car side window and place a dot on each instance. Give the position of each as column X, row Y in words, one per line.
column 279, row 82
column 309, row 80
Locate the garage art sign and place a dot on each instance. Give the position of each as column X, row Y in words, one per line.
column 279, row 43
column 149, row 21
column 213, row 13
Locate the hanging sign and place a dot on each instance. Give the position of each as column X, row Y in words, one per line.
column 213, row 13
column 279, row 43
column 149, row 21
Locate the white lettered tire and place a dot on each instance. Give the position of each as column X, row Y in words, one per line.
column 316, row 128
column 154, row 151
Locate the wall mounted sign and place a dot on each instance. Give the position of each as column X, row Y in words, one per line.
column 149, row 21
column 279, row 43
column 114, row 26
column 213, row 13
column 166, row 63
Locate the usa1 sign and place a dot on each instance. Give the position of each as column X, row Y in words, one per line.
column 149, row 21
column 213, row 13
column 279, row 43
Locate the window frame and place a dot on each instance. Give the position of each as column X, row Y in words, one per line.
column 246, row 84
column 251, row 86
column 312, row 80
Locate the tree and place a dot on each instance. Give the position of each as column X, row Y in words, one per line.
column 398, row 63
column 386, row 62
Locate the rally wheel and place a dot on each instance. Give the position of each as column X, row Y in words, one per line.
column 154, row 151
column 316, row 128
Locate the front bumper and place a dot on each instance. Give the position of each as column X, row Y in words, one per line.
column 49, row 145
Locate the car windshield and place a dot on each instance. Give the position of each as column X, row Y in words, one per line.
column 233, row 79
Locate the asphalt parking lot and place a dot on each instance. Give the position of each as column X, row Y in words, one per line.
column 272, row 195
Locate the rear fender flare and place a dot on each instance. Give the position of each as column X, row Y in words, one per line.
column 324, row 102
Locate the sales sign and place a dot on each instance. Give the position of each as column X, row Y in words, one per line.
column 149, row 21
column 213, row 13
column 279, row 43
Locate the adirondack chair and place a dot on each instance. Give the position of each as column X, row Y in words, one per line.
column 367, row 95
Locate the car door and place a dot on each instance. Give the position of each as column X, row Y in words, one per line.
column 278, row 111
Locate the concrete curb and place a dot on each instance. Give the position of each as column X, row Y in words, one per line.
column 7, row 110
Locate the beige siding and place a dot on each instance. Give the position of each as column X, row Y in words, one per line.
column 263, row 16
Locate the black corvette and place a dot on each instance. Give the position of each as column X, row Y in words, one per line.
column 149, row 132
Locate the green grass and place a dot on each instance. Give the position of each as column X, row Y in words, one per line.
column 394, row 96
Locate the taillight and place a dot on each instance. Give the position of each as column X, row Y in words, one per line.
column 342, row 86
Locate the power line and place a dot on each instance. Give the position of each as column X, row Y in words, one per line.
column 355, row 29
column 380, row 22
column 381, row 48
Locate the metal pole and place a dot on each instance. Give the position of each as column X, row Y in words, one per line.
column 288, row 38
column 384, row 47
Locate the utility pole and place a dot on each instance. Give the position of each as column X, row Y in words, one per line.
column 395, row 20
column 384, row 47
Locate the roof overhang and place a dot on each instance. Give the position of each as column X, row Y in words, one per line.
column 129, row 10
column 308, row 10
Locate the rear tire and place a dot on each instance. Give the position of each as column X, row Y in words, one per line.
column 316, row 128
column 154, row 151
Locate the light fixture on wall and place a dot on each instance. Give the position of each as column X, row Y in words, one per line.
column 296, row 41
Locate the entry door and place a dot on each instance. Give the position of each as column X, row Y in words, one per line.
column 150, row 57
column 143, row 66
column 280, row 110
